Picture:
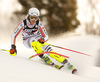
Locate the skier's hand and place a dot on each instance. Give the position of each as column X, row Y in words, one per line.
column 41, row 40
column 13, row 50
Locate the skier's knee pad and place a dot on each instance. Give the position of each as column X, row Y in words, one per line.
column 60, row 59
column 36, row 47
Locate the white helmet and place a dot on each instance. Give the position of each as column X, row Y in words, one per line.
column 33, row 11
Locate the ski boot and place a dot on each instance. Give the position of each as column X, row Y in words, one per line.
column 71, row 67
column 47, row 60
column 59, row 66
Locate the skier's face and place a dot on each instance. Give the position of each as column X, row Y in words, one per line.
column 33, row 19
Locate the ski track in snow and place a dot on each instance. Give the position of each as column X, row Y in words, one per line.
column 21, row 69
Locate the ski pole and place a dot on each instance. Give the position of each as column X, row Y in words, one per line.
column 69, row 50
column 4, row 50
column 14, row 54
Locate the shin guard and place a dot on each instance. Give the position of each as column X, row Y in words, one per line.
column 60, row 59
column 36, row 47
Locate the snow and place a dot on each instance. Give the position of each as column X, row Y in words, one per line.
column 22, row 69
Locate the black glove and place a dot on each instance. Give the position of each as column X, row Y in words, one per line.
column 13, row 50
column 41, row 40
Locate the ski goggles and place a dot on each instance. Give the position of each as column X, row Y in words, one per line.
column 34, row 18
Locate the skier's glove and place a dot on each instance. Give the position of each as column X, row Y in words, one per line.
column 41, row 41
column 13, row 50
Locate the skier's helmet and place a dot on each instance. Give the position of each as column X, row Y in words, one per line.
column 32, row 13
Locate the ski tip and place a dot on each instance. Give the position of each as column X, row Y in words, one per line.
column 74, row 71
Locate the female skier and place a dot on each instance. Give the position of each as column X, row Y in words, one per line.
column 35, row 36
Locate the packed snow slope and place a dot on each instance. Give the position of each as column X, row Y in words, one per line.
column 21, row 69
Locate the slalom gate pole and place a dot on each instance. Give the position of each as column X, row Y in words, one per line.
column 48, row 52
column 69, row 50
